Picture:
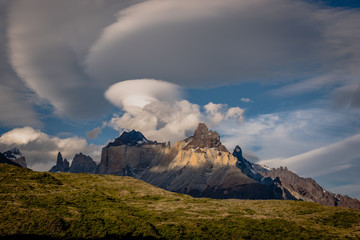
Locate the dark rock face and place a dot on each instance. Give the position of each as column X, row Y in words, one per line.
column 82, row 164
column 307, row 189
column 129, row 155
column 203, row 138
column 247, row 168
column 61, row 165
column 66, row 164
column 133, row 138
column 5, row 160
column 16, row 156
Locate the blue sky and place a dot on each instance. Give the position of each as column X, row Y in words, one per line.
column 279, row 78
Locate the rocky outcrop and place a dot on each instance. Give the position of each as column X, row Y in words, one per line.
column 203, row 138
column 82, row 164
column 206, row 172
column 16, row 156
column 5, row 160
column 307, row 189
column 61, row 165
column 199, row 166
column 132, row 138
column 248, row 168
column 130, row 155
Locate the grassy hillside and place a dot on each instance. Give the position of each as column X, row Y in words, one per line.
column 63, row 205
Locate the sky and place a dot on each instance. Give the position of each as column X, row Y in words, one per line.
column 279, row 78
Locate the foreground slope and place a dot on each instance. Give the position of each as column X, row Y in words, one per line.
column 63, row 205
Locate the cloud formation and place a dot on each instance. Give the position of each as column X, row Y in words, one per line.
column 200, row 42
column 247, row 100
column 48, row 41
column 285, row 134
column 69, row 54
column 323, row 160
column 132, row 95
column 154, row 107
column 40, row 149
column 15, row 111
column 93, row 133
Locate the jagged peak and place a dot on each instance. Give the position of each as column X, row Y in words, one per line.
column 237, row 151
column 203, row 138
column 62, row 165
column 59, row 159
column 132, row 138
column 13, row 153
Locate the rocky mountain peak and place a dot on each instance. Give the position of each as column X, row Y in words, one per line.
column 59, row 160
column 308, row 189
column 238, row 152
column 61, row 164
column 203, row 138
column 66, row 164
column 238, row 149
column 247, row 167
column 82, row 164
column 15, row 155
column 132, row 138
column 5, row 160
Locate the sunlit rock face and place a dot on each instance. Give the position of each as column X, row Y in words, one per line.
column 199, row 166
column 203, row 138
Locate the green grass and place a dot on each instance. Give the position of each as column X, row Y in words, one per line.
column 63, row 205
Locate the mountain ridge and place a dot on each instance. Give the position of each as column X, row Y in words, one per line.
column 201, row 166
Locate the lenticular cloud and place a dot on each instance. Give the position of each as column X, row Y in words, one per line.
column 132, row 95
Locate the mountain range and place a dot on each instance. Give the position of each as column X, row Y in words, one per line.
column 201, row 166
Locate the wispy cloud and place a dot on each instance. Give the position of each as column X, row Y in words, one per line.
column 247, row 100
column 15, row 111
column 323, row 160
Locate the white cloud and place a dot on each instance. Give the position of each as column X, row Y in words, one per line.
column 247, row 100
column 40, row 149
column 154, row 108
column 217, row 113
column 132, row 95
column 161, row 121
